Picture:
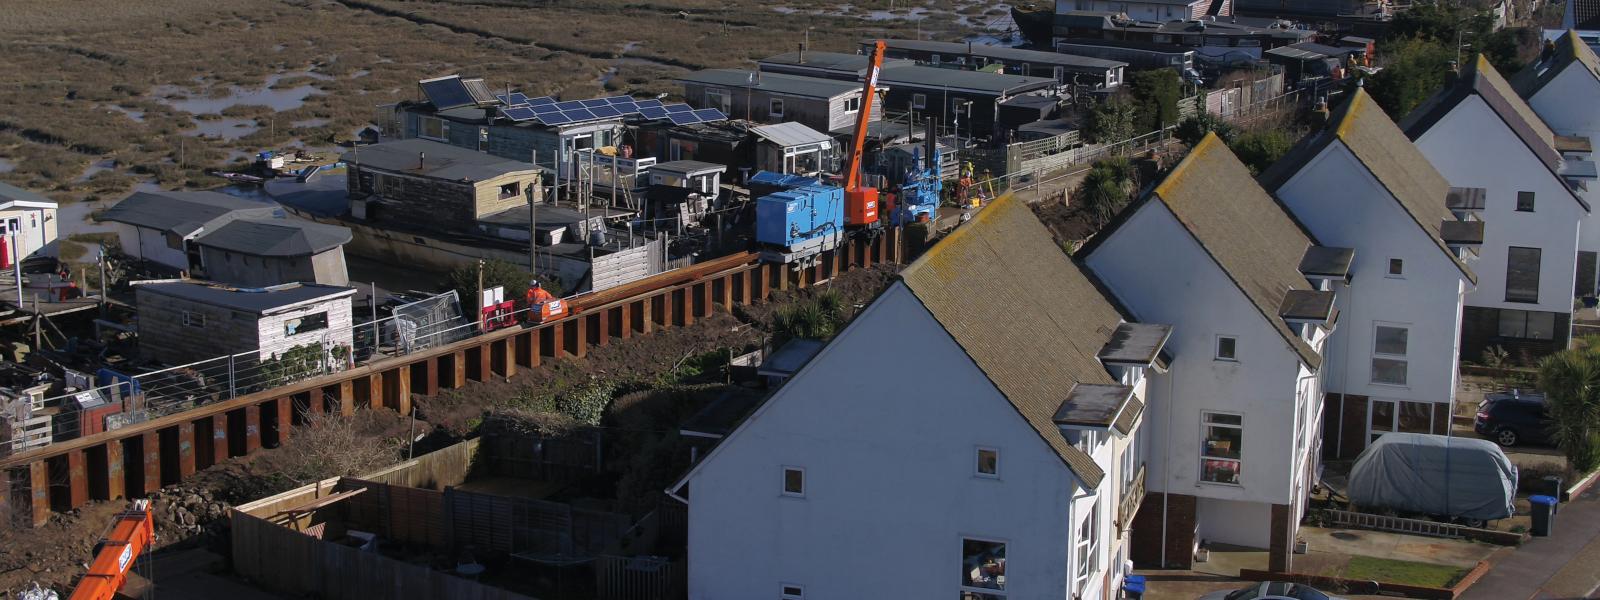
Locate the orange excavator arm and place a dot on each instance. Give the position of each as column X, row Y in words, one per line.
column 861, row 204
column 130, row 536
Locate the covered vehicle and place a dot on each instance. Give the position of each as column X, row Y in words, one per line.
column 1435, row 475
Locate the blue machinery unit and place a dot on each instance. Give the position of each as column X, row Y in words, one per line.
column 922, row 187
column 796, row 224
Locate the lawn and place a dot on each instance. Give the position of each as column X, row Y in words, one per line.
column 1385, row 570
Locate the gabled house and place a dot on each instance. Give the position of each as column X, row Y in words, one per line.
column 1064, row 68
column 161, row 227
column 426, row 185
column 1479, row 134
column 27, row 223
column 268, row 252
column 181, row 322
column 821, row 104
column 1360, row 183
column 1236, row 416
column 996, row 462
column 1563, row 87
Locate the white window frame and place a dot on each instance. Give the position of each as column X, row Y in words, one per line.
column 977, row 466
column 719, row 98
column 852, row 105
column 1205, row 424
column 919, row 101
column 1396, row 268
column 1000, row 592
column 783, row 481
column 1372, row 375
column 775, row 107
column 194, row 319
column 791, row 591
column 1216, row 348
column 1086, row 549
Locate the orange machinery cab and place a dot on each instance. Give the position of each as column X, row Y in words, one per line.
column 861, row 207
column 549, row 310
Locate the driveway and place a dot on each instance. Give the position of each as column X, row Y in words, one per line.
column 1560, row 566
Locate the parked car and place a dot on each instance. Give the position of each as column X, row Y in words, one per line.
column 1445, row 478
column 1271, row 590
column 1515, row 417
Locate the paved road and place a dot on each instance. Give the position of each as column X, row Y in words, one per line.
column 1560, row 566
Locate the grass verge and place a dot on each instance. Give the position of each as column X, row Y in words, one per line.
column 1384, row 570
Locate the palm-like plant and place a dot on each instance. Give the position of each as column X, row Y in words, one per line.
column 1571, row 383
column 1106, row 189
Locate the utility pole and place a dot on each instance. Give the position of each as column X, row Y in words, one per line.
column 478, row 302
column 533, row 192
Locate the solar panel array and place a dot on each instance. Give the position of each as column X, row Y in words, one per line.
column 549, row 111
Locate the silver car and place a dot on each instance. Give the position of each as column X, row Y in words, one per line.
column 1271, row 590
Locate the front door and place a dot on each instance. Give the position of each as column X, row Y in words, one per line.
column 1381, row 418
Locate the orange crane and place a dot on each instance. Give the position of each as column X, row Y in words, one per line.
column 861, row 202
column 130, row 536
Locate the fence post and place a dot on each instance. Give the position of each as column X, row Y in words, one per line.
column 233, row 391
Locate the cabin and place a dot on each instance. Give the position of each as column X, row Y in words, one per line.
column 794, row 149
column 821, row 104
column 1138, row 55
column 161, row 227
column 181, row 322
column 1225, row 41
column 420, row 183
column 27, row 224
column 268, row 252
column 1085, row 71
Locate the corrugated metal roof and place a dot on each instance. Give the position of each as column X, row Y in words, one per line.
column 791, row 133
column 426, row 158
column 10, row 194
column 275, row 237
column 1244, row 230
column 1025, row 314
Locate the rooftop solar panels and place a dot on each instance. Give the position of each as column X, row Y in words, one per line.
column 710, row 114
column 651, row 103
column 653, row 112
column 546, row 110
column 594, row 103
column 478, row 90
column 678, row 108
column 518, row 113
column 446, row 92
column 569, row 105
column 542, row 101
column 683, row 118
column 605, row 111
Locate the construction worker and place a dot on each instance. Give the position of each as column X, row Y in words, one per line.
column 537, row 295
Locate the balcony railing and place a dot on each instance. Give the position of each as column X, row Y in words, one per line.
column 1131, row 498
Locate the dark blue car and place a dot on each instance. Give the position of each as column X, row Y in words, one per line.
column 1511, row 418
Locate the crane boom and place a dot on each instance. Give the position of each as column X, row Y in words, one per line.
column 861, row 203
column 130, row 537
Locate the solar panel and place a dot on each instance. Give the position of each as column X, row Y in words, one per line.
column 542, row 101
column 579, row 114
column 651, row 102
column 545, row 109
column 683, row 118
column 518, row 98
column 710, row 114
column 555, row 119
column 504, row 99
column 653, row 112
column 569, row 105
column 593, row 103
column 678, row 108
column 605, row 112
column 518, row 113
column 627, row 108
column 446, row 92
column 619, row 99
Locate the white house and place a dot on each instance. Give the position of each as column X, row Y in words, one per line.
column 1479, row 134
column 1563, row 87
column 972, row 432
column 161, row 227
column 1151, row 10
column 1360, row 183
column 27, row 223
column 1236, row 417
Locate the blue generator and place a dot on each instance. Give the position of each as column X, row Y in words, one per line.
column 796, row 224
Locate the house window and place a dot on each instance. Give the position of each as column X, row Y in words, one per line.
column 852, row 105
column 194, row 319
column 1389, row 354
column 174, row 242
column 1223, row 445
column 934, row 59
column 988, row 463
column 1087, row 545
column 717, row 98
column 983, row 569
column 306, row 324
column 1527, row 324
column 1522, row 274
column 430, row 128
column 1524, row 201
column 789, row 591
column 1397, row 267
column 919, row 101
column 509, row 190
column 794, row 482
column 775, row 108
column 1227, row 347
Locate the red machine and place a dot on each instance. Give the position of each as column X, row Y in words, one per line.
column 543, row 306
column 133, row 534
column 861, row 202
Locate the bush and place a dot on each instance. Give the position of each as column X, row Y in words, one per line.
column 1415, row 69
column 498, row 272
column 819, row 318
column 1107, row 189
column 1259, row 149
column 1110, row 122
column 1193, row 129
column 1155, row 98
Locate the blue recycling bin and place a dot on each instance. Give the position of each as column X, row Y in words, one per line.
column 1543, row 514
column 1133, row 587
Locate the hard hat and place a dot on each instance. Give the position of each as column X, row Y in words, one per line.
column 533, row 283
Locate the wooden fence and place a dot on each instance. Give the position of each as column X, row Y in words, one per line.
column 541, row 458
column 638, row 578
column 291, row 562
column 405, row 514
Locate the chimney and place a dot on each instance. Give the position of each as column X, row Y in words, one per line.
column 422, row 157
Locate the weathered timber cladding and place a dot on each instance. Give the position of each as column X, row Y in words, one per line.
column 244, row 270
column 163, row 335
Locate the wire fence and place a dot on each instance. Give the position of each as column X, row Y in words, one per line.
column 121, row 400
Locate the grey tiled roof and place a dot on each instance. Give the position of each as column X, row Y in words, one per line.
column 275, row 237
column 1569, row 49
column 1027, row 316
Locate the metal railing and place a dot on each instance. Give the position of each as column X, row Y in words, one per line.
column 1132, row 497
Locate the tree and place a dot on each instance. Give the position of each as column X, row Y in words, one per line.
column 1259, row 149
column 498, row 272
column 1106, row 189
column 1506, row 48
column 1193, row 129
column 1110, row 122
column 1416, row 69
column 1155, row 98
column 1571, row 383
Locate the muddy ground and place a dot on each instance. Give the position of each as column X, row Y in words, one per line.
column 55, row 554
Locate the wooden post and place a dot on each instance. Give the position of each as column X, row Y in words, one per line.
column 39, row 492
column 150, row 446
column 578, row 336
column 459, row 370
column 185, row 449
column 625, row 331
column 285, row 419
column 688, row 301
column 558, row 339
column 116, row 471
column 219, row 438
column 252, row 428
column 430, row 375
column 77, row 479
column 375, row 397
column 347, row 398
